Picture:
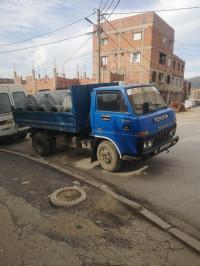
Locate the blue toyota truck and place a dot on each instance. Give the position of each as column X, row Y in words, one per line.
column 115, row 122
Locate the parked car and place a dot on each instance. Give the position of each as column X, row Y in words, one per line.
column 11, row 97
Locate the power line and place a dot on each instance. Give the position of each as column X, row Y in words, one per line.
column 100, row 4
column 161, row 10
column 75, row 52
column 187, row 44
column 105, row 5
column 67, row 59
column 114, row 9
column 109, row 6
column 130, row 43
column 30, row 47
column 1, row 45
column 126, row 52
column 194, row 50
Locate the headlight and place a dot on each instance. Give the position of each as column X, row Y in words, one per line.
column 172, row 132
column 145, row 145
column 150, row 143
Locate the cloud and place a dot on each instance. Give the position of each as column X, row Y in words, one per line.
column 24, row 21
column 21, row 19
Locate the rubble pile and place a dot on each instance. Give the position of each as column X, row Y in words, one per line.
column 177, row 106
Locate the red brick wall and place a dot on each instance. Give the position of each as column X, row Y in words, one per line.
column 46, row 83
column 119, row 48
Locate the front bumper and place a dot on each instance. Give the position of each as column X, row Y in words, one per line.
column 160, row 148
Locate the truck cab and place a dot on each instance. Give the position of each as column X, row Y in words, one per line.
column 11, row 97
column 130, row 122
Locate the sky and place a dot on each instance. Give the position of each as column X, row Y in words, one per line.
column 26, row 19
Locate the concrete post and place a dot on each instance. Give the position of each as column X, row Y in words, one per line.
column 33, row 80
column 54, row 78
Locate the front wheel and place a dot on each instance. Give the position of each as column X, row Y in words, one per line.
column 108, row 156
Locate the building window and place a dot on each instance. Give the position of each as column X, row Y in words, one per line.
column 169, row 62
column 162, row 59
column 137, row 36
column 135, row 58
column 182, row 68
column 178, row 66
column 174, row 64
column 170, row 44
column 172, row 80
column 154, row 76
column 168, row 79
column 105, row 41
column 161, row 78
column 111, row 101
column 164, row 41
column 104, row 61
column 176, row 82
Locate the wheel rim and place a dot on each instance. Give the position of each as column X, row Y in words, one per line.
column 105, row 156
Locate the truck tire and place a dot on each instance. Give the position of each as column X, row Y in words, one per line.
column 108, row 156
column 41, row 144
column 58, row 200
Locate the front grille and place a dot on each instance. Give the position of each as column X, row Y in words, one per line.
column 158, row 138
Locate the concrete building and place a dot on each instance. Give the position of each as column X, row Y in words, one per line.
column 32, row 85
column 139, row 49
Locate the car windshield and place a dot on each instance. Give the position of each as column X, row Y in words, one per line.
column 145, row 97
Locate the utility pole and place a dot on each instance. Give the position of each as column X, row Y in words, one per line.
column 98, row 47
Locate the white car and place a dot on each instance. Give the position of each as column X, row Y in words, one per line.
column 12, row 97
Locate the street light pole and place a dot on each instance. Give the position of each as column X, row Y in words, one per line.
column 98, row 47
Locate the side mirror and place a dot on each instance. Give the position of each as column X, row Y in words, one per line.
column 145, row 108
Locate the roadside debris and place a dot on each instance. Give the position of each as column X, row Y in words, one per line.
column 76, row 183
column 67, row 196
column 177, row 106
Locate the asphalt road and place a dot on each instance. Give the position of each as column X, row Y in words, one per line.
column 168, row 184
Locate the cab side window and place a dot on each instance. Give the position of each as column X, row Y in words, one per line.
column 5, row 106
column 111, row 101
column 19, row 99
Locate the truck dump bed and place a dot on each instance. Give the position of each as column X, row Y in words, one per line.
column 75, row 120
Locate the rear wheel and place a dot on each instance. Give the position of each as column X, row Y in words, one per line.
column 41, row 144
column 108, row 156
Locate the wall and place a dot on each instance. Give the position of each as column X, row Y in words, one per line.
column 32, row 85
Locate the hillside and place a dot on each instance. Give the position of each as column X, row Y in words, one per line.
column 195, row 82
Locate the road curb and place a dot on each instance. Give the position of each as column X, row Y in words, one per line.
column 189, row 241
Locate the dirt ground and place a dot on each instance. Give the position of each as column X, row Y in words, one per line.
column 98, row 231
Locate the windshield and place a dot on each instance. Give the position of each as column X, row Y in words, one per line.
column 140, row 97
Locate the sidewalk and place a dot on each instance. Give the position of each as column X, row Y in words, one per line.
column 99, row 231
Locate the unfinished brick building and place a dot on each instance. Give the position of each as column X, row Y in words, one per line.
column 33, row 84
column 139, row 49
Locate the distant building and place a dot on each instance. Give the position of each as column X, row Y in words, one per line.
column 6, row 81
column 139, row 49
column 32, row 85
